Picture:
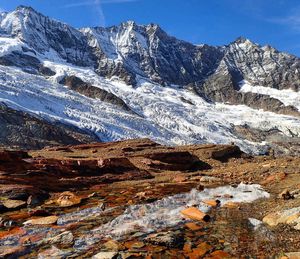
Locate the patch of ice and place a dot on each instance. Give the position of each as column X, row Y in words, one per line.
column 81, row 215
column 255, row 223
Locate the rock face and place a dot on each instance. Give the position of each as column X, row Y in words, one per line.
column 21, row 130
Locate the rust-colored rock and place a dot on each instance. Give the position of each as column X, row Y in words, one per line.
column 193, row 226
column 219, row 254
column 200, row 250
column 212, row 203
column 195, row 214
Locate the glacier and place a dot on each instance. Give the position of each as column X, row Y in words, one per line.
column 169, row 115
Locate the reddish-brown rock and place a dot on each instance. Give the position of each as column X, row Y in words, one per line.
column 195, row 214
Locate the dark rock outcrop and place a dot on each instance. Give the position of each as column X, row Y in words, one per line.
column 21, row 130
column 76, row 84
column 27, row 63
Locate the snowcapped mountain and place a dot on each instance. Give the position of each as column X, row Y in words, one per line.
column 132, row 81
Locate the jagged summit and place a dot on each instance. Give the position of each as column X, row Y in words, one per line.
column 26, row 8
column 242, row 39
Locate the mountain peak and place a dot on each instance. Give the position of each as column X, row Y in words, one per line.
column 242, row 39
column 129, row 23
column 23, row 8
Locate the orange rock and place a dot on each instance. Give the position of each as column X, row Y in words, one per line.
column 193, row 226
column 130, row 202
column 19, row 215
column 274, row 178
column 212, row 203
column 129, row 244
column 195, row 214
column 31, row 238
column 293, row 255
column 200, row 251
column 13, row 232
column 187, row 247
column 219, row 254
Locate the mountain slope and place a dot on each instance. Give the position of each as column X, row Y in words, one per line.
column 131, row 81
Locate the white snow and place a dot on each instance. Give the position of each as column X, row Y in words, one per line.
column 286, row 96
column 7, row 45
column 255, row 223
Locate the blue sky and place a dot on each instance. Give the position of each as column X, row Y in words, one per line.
column 215, row 22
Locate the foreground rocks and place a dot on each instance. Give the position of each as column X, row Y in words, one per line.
column 60, row 202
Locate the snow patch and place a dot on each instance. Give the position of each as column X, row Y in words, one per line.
column 8, row 45
column 286, row 96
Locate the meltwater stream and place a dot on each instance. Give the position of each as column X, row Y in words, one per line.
column 143, row 218
column 164, row 213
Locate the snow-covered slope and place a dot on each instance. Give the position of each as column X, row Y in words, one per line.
column 177, row 93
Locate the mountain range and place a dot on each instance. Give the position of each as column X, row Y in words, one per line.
column 62, row 85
